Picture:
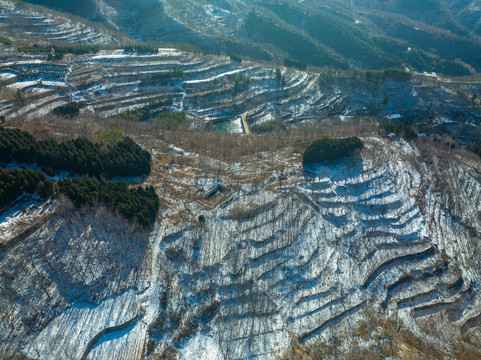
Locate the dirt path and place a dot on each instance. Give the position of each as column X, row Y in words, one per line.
column 245, row 123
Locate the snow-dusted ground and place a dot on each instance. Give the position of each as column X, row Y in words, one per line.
column 109, row 82
column 25, row 212
column 20, row 21
column 301, row 259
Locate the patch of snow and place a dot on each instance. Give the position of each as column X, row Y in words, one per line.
column 202, row 347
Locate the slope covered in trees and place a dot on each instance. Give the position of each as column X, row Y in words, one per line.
column 79, row 156
column 432, row 35
column 16, row 182
column 398, row 129
column 330, row 149
column 69, row 111
column 83, row 8
column 140, row 205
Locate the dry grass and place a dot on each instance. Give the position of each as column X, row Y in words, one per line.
column 230, row 159
column 378, row 337
column 243, row 211
column 226, row 147
column 271, row 160
column 58, row 128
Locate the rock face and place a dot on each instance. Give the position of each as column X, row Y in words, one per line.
column 391, row 230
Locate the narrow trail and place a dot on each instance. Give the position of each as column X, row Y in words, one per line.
column 245, row 123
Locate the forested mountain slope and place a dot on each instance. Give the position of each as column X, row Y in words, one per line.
column 427, row 36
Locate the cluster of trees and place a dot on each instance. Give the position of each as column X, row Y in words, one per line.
column 396, row 75
column 279, row 77
column 141, row 49
column 170, row 120
column 80, row 156
column 162, row 77
column 295, row 64
column 235, row 58
column 71, row 110
column 476, row 148
column 16, row 182
column 5, row 41
column 34, row 49
column 388, row 74
column 398, row 129
column 60, row 50
column 330, row 149
column 269, row 126
column 139, row 205
column 145, row 113
column 242, row 82
column 77, row 49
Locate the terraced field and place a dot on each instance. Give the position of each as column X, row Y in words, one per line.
column 216, row 89
column 302, row 259
column 38, row 24
column 252, row 256
column 309, row 257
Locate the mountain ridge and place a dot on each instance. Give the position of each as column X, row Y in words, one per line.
column 367, row 36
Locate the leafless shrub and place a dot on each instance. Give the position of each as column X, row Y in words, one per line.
column 151, row 346
column 214, row 144
column 378, row 337
column 188, row 328
column 175, row 254
column 169, row 353
column 58, row 128
column 442, row 161
column 243, row 211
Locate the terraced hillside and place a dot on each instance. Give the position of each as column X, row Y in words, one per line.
column 216, row 89
column 252, row 256
column 38, row 24
column 297, row 258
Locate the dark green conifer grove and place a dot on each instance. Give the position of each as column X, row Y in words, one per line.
column 78, row 156
column 330, row 149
